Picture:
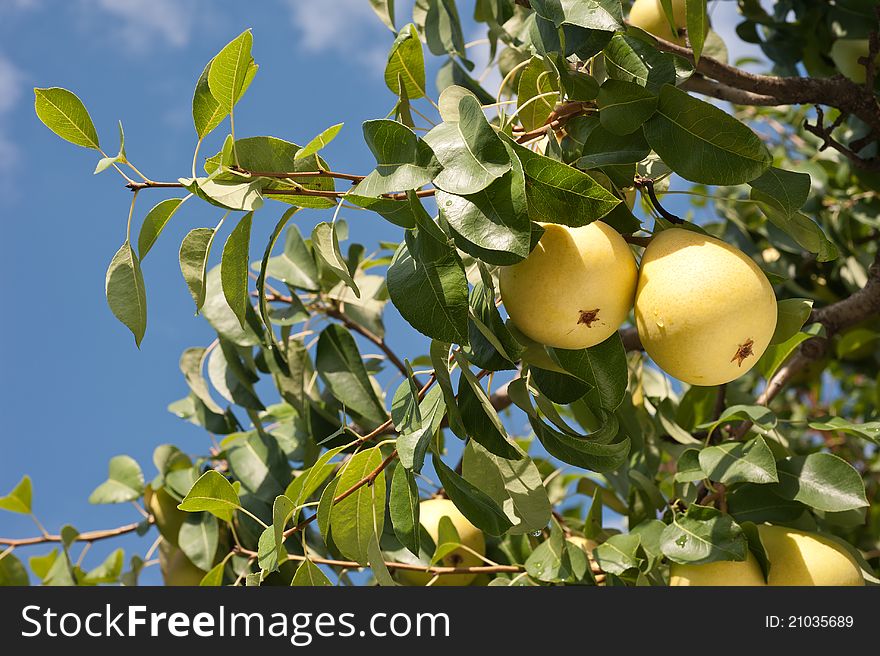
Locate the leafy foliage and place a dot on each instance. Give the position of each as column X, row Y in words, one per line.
column 580, row 466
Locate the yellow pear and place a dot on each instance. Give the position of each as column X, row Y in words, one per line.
column 722, row 573
column 166, row 516
column 846, row 54
column 704, row 311
column 430, row 513
column 574, row 289
column 800, row 558
column 649, row 16
column 177, row 569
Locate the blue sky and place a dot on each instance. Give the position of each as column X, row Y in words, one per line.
column 74, row 390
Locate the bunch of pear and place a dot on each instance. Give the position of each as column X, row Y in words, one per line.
column 705, row 312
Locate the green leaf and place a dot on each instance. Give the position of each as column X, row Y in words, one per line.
column 453, row 74
column 439, row 353
column 495, row 218
column 697, row 22
column 432, row 296
column 63, row 112
column 406, row 62
column 361, row 515
column 403, row 160
column 703, row 535
column 398, row 212
column 869, row 430
column 191, row 365
column 19, row 500
column 470, row 151
column 806, row 232
column 319, row 142
column 385, row 11
column 403, row 508
column 479, row 417
column 282, row 508
column 632, row 60
column 155, row 221
column 602, row 366
column 474, row 504
column 757, row 414
column 558, row 193
column 295, row 307
column 785, row 191
column 214, row 577
column 108, row 571
column 739, row 462
column 791, row 314
column 580, row 452
column 194, row 252
column 703, row 143
column 229, row 194
column 442, row 29
column 757, row 503
column 124, row 288
column 214, row 494
column 377, row 563
column 777, row 354
column 551, row 561
column 341, row 367
column 603, row 15
column 624, row 106
column 296, row 266
column 198, row 539
column 12, row 571
column 124, row 483
column 309, row 574
column 619, row 553
column 405, row 405
column 535, row 80
column 206, row 111
column 688, row 468
column 234, row 267
column 821, row 480
column 229, row 70
column 325, row 241
column 514, row 484
column 259, row 464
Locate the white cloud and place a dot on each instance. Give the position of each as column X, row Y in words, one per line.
column 141, row 25
column 347, row 27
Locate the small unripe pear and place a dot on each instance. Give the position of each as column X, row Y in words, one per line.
column 846, row 54
column 574, row 289
column 722, row 573
column 705, row 312
column 166, row 516
column 649, row 16
column 177, row 569
column 801, row 558
column 430, row 513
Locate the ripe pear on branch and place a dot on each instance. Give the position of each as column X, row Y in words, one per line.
column 575, row 289
column 431, row 512
column 705, row 312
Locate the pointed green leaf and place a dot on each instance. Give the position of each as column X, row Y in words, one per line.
column 406, row 61
column 403, row 507
column 360, row 516
column 19, row 500
column 624, row 106
column 474, row 504
column 403, row 161
column 194, row 252
column 821, row 480
column 703, row 143
column 125, row 482
column 234, row 267
column 602, row 366
column 739, row 462
column 318, row 142
column 198, row 539
column 124, row 287
column 703, row 535
column 63, row 112
column 325, row 241
column 310, row 575
column 212, row 493
column 155, row 221
column 697, row 22
column 229, row 70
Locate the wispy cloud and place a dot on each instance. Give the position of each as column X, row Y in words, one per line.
column 141, row 25
column 11, row 86
column 345, row 27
